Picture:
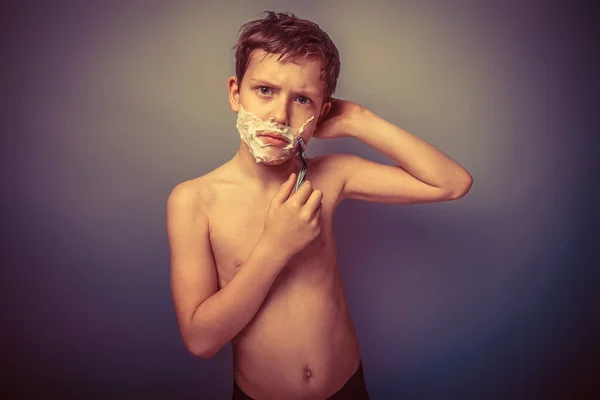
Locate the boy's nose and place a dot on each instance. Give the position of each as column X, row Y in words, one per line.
column 280, row 115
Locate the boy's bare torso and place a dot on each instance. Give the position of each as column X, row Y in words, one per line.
column 301, row 343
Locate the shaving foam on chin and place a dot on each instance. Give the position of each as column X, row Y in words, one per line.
column 249, row 125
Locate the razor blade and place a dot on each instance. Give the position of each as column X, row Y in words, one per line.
column 300, row 145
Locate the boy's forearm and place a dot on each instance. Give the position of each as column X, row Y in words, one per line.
column 222, row 316
column 419, row 158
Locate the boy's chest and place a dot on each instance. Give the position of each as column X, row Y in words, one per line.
column 237, row 225
column 234, row 234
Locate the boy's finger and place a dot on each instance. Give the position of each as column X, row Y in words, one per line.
column 313, row 203
column 285, row 189
column 302, row 194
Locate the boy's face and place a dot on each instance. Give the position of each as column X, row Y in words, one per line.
column 288, row 94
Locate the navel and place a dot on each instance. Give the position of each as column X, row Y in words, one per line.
column 307, row 373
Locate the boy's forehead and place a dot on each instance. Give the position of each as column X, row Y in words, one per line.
column 304, row 73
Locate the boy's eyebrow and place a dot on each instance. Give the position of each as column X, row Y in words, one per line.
column 307, row 93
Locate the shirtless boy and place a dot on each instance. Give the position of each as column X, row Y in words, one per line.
column 253, row 260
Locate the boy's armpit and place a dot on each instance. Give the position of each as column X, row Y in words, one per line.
column 327, row 170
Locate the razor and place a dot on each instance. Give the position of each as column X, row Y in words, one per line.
column 300, row 145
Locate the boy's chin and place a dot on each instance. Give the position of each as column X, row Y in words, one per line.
column 276, row 162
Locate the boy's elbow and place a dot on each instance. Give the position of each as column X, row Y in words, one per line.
column 200, row 351
column 201, row 348
column 463, row 188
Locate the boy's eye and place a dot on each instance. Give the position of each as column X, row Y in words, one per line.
column 304, row 100
column 264, row 89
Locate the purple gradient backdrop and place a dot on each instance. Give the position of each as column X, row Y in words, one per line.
column 109, row 106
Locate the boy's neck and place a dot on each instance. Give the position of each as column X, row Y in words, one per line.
column 267, row 176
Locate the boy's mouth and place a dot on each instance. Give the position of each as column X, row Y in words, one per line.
column 273, row 138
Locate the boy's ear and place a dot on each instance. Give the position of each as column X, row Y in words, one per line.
column 324, row 111
column 234, row 94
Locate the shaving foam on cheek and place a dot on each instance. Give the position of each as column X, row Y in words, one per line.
column 249, row 125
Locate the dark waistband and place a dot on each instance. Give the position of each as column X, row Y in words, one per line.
column 355, row 388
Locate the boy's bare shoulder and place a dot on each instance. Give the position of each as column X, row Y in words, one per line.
column 331, row 165
column 198, row 194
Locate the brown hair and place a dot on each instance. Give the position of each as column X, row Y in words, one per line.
column 294, row 39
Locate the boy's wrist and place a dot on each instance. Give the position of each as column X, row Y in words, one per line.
column 270, row 254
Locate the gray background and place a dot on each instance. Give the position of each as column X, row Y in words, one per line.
column 106, row 106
